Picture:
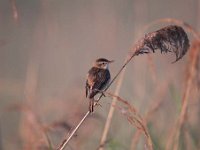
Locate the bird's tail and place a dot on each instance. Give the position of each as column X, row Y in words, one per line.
column 91, row 105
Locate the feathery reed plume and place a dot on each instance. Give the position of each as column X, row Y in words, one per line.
column 196, row 35
column 168, row 39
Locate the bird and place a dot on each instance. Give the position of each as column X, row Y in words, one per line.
column 98, row 78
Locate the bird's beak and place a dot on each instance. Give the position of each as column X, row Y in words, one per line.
column 111, row 61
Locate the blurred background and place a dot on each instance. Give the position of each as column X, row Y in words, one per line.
column 46, row 49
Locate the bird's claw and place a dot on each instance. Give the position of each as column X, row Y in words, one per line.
column 103, row 94
column 98, row 104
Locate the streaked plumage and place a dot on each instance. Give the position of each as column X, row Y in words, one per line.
column 97, row 79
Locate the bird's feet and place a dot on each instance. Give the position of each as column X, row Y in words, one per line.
column 102, row 92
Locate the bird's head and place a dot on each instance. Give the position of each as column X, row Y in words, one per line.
column 102, row 63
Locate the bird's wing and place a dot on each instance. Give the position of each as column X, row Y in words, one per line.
column 101, row 80
column 87, row 87
column 97, row 79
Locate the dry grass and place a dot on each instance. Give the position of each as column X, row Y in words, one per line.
column 191, row 71
column 168, row 39
column 37, row 135
column 133, row 117
column 111, row 112
column 157, row 102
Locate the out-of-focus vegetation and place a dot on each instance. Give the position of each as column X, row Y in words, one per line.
column 46, row 49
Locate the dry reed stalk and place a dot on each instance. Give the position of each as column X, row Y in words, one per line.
column 66, row 140
column 27, row 122
column 155, row 106
column 173, row 142
column 133, row 117
column 31, row 128
column 111, row 112
column 197, row 77
column 168, row 39
column 176, row 130
column 195, row 49
column 38, row 134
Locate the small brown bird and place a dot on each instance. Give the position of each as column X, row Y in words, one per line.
column 98, row 78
